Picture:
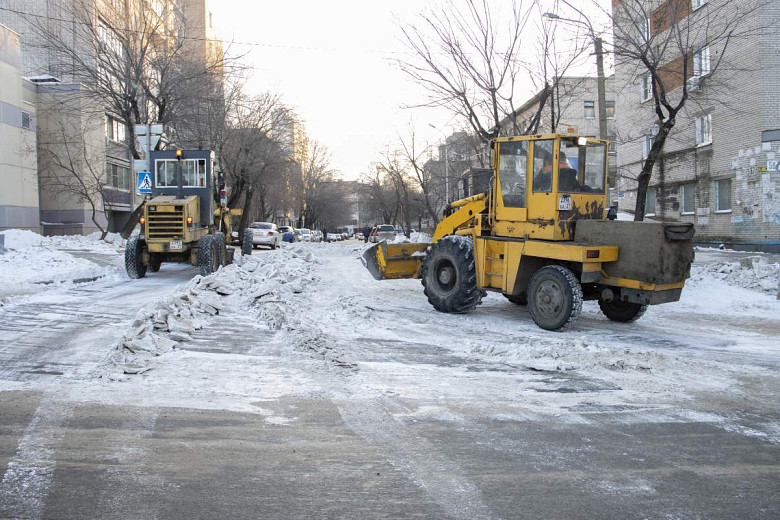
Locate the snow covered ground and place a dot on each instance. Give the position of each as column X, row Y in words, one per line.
column 308, row 322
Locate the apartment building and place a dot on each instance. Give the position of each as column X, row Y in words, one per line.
column 70, row 124
column 719, row 167
column 19, row 207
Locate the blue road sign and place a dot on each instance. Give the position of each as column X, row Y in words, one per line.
column 144, row 182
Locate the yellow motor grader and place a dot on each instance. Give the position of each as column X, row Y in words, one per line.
column 185, row 220
column 542, row 235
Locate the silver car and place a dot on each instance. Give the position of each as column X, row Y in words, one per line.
column 385, row 232
column 265, row 234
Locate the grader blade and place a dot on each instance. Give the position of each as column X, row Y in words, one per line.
column 394, row 261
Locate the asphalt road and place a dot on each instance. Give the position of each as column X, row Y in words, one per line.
column 470, row 448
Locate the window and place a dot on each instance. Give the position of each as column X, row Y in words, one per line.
column 704, row 130
column 512, row 172
column 687, row 198
column 590, row 110
column 701, row 62
column 109, row 41
column 695, row 4
column 543, row 156
column 609, row 108
column 723, row 195
column 646, row 90
column 193, row 173
column 650, row 201
column 118, row 176
column 581, row 169
column 647, row 144
column 116, row 130
column 26, row 120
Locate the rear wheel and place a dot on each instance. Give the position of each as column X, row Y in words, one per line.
column 625, row 312
column 134, row 264
column 208, row 255
column 246, row 245
column 449, row 275
column 554, row 298
column 155, row 260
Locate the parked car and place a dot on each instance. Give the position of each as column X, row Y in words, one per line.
column 385, row 232
column 305, row 234
column 265, row 234
column 333, row 237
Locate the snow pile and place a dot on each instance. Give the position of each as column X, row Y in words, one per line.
column 20, row 239
column 19, row 269
column 418, row 237
column 268, row 288
column 751, row 273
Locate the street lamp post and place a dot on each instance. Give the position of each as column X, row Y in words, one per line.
column 599, row 51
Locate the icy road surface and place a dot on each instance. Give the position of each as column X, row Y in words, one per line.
column 293, row 385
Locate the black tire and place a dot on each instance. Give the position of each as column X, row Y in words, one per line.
column 134, row 264
column 208, row 255
column 246, row 244
column 449, row 275
column 219, row 238
column 517, row 299
column 554, row 298
column 624, row 312
column 155, row 261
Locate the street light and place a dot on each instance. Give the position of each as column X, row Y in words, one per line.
column 446, row 162
column 597, row 43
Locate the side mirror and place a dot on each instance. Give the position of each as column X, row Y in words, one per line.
column 612, row 213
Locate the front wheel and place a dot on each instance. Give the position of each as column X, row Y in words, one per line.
column 449, row 275
column 554, row 298
column 155, row 261
column 624, row 312
column 134, row 263
column 208, row 255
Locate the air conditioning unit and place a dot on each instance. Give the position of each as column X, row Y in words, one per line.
column 694, row 84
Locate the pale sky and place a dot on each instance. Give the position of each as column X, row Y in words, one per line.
column 330, row 61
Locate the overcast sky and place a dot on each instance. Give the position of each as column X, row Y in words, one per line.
column 331, row 61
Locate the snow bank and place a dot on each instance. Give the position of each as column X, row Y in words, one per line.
column 754, row 272
column 20, row 239
column 268, row 288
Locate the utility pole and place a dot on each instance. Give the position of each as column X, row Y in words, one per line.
column 597, row 43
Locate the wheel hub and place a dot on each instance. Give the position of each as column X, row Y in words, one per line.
column 549, row 298
column 445, row 275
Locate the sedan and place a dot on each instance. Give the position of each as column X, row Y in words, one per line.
column 265, row 234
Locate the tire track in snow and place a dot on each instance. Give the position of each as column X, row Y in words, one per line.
column 441, row 478
column 30, row 472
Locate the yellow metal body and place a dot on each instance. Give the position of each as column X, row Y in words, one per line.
column 512, row 242
column 166, row 225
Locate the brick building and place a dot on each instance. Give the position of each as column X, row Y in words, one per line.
column 719, row 167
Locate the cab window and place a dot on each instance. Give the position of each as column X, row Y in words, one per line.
column 512, row 172
column 543, row 168
column 582, row 168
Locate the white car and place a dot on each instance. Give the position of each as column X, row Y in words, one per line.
column 333, row 237
column 265, row 234
column 306, row 235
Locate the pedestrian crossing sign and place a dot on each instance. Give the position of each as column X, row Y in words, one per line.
column 144, row 183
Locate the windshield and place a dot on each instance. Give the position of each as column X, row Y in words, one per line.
column 305, row 231
column 581, row 169
column 262, row 225
column 386, row 228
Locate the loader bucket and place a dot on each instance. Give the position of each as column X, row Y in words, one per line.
column 394, row 261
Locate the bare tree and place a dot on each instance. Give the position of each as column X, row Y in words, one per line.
column 72, row 158
column 468, row 57
column 662, row 47
column 317, row 194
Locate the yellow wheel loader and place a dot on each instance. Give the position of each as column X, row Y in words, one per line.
column 542, row 235
column 184, row 221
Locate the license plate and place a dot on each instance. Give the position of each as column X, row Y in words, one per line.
column 564, row 203
column 175, row 244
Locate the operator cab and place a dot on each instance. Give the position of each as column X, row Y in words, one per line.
column 543, row 183
column 184, row 173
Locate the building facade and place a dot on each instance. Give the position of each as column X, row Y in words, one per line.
column 719, row 166
column 19, row 204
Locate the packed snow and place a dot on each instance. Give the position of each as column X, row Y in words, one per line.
column 33, row 262
column 753, row 272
